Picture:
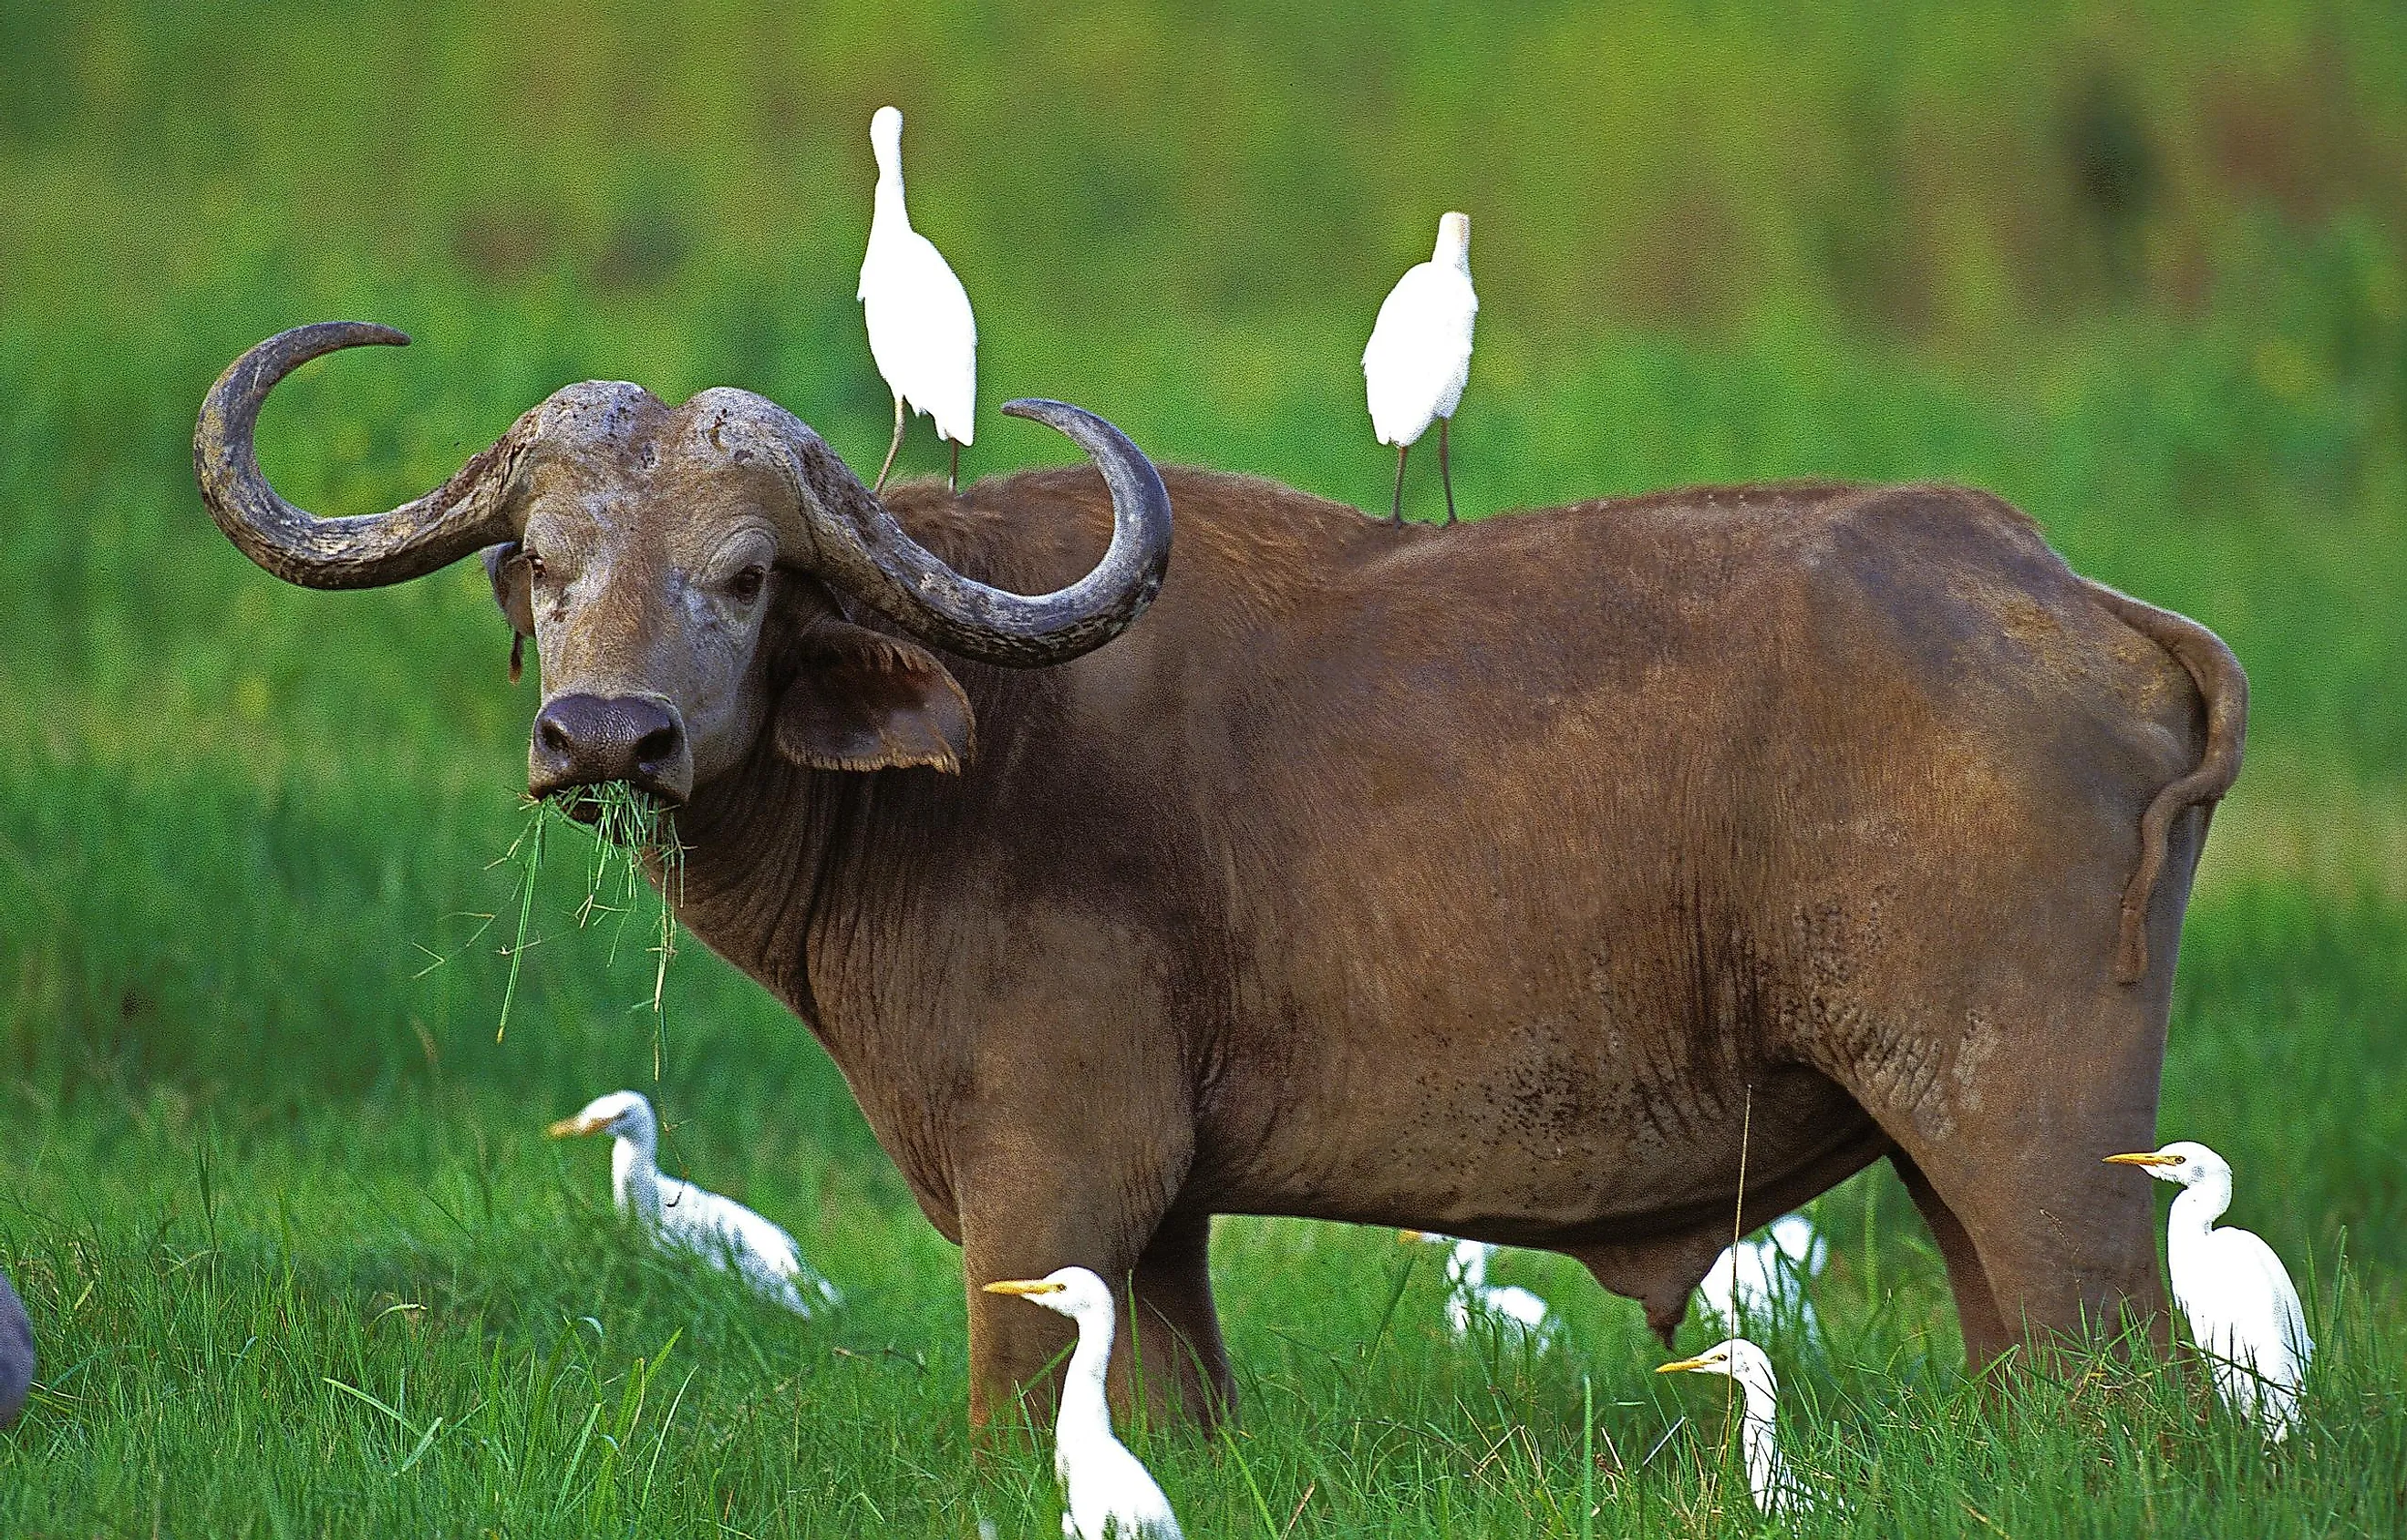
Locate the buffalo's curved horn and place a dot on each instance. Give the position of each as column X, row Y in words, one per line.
column 366, row 551
column 852, row 541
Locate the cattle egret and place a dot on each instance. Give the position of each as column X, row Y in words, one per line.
column 1108, row 1491
column 1419, row 354
column 2244, row 1312
column 920, row 329
column 681, row 1217
column 1470, row 1296
column 1764, row 1280
column 16, row 1353
column 1774, row 1486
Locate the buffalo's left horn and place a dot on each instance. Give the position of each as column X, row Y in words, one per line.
column 846, row 537
column 366, row 551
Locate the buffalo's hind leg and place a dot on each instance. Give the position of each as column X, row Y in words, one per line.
column 1976, row 1305
column 1176, row 1347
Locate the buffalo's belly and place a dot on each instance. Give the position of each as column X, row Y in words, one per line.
column 1531, row 1133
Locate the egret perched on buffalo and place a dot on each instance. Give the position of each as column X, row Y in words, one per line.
column 920, row 329
column 1774, row 1486
column 2243, row 1309
column 681, row 1217
column 1419, row 354
column 1109, row 1493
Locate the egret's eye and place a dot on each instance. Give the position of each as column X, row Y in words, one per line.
column 746, row 585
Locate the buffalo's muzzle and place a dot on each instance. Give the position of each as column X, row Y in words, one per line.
column 586, row 740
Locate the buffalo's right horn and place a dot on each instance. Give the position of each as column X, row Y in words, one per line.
column 366, row 551
column 845, row 535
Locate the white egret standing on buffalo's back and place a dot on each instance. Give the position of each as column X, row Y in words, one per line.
column 1774, row 1486
column 681, row 1217
column 1107, row 1491
column 920, row 329
column 1419, row 354
column 2243, row 1309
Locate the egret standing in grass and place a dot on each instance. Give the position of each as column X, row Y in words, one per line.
column 1419, row 354
column 2243, row 1309
column 16, row 1353
column 1764, row 1280
column 681, row 1217
column 920, row 329
column 1470, row 1296
column 1108, row 1492
column 1774, row 1486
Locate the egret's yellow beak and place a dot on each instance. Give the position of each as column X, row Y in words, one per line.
column 2144, row 1158
column 569, row 1128
column 1024, row 1286
column 1408, row 1236
column 1685, row 1365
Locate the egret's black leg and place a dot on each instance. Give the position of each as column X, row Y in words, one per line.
column 1445, row 476
column 1395, row 505
column 953, row 474
column 892, row 449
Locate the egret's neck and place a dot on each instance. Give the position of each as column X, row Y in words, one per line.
column 890, row 211
column 635, row 1177
column 1467, row 1268
column 1453, row 247
column 1086, row 1411
column 2195, row 1210
column 1766, row 1472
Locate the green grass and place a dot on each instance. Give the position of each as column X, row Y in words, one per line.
column 276, row 1193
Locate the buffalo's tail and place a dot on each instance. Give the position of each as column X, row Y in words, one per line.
column 2224, row 686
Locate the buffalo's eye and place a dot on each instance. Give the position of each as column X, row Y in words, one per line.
column 534, row 565
column 746, row 585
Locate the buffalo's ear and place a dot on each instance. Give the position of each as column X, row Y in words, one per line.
column 513, row 590
column 862, row 701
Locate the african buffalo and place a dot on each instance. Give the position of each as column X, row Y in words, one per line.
column 1488, row 880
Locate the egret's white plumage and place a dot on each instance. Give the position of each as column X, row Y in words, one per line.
column 1775, row 1487
column 681, row 1217
column 1471, row 1297
column 2242, row 1310
column 1760, row 1282
column 1419, row 358
column 921, row 332
column 1106, row 1489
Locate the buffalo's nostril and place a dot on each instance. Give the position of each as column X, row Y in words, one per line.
column 659, row 746
column 550, row 734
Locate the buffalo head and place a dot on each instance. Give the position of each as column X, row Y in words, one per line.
column 646, row 548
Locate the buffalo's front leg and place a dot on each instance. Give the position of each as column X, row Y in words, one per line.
column 1024, row 1223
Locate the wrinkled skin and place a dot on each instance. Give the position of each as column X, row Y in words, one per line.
column 1330, row 891
column 1518, row 881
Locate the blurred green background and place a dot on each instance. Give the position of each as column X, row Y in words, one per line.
column 2141, row 269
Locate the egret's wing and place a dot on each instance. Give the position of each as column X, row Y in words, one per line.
column 2264, row 1305
column 1418, row 357
column 922, row 330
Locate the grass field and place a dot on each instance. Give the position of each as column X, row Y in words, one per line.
column 300, row 1259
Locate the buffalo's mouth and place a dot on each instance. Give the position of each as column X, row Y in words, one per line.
column 584, row 742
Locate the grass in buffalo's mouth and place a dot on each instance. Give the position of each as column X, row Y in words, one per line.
column 633, row 842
